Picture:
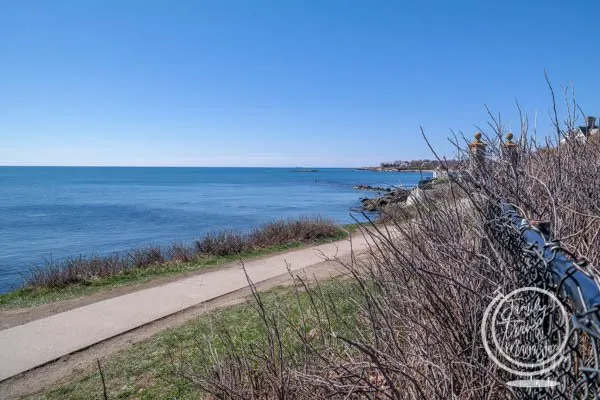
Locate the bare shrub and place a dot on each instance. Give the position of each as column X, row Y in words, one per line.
column 85, row 270
column 421, row 292
column 222, row 243
column 427, row 279
column 75, row 270
column 555, row 183
column 180, row 253
column 257, row 357
column 144, row 258
column 303, row 230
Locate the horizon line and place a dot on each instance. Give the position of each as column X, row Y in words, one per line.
column 158, row 166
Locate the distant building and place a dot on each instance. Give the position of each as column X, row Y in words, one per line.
column 583, row 132
column 440, row 173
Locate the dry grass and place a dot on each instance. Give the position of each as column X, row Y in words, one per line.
column 81, row 270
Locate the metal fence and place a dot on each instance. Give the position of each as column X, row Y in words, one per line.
column 537, row 260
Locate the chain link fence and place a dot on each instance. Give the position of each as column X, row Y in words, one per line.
column 559, row 359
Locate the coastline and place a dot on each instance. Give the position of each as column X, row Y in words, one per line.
column 86, row 270
column 65, row 212
column 393, row 169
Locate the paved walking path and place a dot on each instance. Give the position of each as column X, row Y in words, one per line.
column 27, row 346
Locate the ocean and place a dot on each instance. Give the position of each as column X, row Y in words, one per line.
column 58, row 212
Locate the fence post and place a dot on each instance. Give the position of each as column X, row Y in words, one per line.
column 477, row 153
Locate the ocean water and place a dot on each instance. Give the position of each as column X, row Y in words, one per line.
column 57, row 212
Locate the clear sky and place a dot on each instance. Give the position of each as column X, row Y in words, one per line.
column 280, row 82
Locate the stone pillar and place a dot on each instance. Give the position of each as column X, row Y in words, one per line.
column 510, row 151
column 477, row 152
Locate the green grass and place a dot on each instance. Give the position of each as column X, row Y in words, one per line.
column 351, row 228
column 145, row 371
column 29, row 297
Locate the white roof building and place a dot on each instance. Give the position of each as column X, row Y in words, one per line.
column 583, row 132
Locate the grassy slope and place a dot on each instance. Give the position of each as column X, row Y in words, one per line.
column 30, row 297
column 144, row 371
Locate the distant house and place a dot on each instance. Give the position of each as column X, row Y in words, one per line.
column 440, row 173
column 446, row 173
column 583, row 132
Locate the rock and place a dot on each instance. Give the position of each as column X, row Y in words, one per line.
column 368, row 205
column 373, row 188
column 402, row 197
column 392, row 197
column 400, row 194
column 415, row 196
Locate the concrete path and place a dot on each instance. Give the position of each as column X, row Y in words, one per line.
column 27, row 346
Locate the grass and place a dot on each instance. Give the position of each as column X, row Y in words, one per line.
column 145, row 371
column 351, row 228
column 35, row 296
column 80, row 277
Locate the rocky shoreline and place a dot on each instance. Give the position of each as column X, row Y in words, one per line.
column 395, row 196
column 373, row 188
column 399, row 196
column 394, row 169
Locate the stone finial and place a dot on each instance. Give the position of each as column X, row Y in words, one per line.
column 509, row 140
column 477, row 143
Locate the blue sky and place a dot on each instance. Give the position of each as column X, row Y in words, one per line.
column 277, row 83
